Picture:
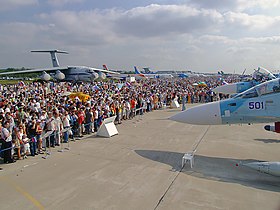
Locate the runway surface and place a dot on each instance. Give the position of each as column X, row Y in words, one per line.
column 141, row 169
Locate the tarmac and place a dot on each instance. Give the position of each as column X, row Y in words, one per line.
column 140, row 168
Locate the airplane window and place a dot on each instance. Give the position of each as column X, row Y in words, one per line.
column 232, row 104
column 250, row 93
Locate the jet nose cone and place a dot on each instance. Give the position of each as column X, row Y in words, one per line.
column 206, row 114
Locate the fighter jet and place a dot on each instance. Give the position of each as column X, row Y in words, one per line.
column 258, row 104
column 259, row 75
column 67, row 73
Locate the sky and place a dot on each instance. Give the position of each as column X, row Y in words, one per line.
column 197, row 35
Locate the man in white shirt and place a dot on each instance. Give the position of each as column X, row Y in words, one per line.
column 57, row 128
column 66, row 125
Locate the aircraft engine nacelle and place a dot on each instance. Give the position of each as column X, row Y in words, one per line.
column 59, row 75
column 101, row 75
column 94, row 76
column 275, row 128
column 45, row 76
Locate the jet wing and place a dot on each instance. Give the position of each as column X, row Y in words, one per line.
column 105, row 71
column 35, row 70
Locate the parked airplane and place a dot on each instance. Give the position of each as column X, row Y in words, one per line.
column 167, row 75
column 123, row 76
column 258, row 104
column 258, row 76
column 68, row 73
column 159, row 74
column 115, row 76
column 180, row 75
column 152, row 75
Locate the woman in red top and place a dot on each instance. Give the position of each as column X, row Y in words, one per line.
column 81, row 118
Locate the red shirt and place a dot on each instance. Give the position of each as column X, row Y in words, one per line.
column 81, row 118
column 132, row 103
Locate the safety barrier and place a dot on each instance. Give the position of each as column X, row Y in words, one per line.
column 44, row 138
column 140, row 115
column 3, row 150
column 174, row 104
column 107, row 128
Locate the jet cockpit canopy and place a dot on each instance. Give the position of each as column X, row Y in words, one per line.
column 269, row 87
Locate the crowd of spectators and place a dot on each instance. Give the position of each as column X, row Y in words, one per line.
column 27, row 111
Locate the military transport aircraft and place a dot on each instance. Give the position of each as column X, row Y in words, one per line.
column 67, row 73
column 259, row 104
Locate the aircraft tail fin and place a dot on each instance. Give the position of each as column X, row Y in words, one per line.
column 105, row 67
column 53, row 55
column 136, row 70
column 147, row 70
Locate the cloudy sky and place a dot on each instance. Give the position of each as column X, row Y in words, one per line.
column 198, row 35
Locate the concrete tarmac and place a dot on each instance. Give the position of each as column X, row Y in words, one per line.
column 141, row 169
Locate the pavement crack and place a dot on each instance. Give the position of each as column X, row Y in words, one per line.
column 195, row 146
column 170, row 185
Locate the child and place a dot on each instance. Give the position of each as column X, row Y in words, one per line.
column 26, row 144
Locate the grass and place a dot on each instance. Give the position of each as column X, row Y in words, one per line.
column 13, row 82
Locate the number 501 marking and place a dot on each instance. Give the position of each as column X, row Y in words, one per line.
column 256, row 105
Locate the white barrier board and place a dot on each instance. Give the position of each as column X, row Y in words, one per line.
column 108, row 128
column 175, row 104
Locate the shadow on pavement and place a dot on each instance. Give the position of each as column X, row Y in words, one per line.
column 218, row 169
column 268, row 140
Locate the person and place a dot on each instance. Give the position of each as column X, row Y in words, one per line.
column 95, row 116
column 39, row 131
column 31, row 133
column 73, row 125
column 50, row 128
column 57, row 127
column 66, row 125
column 127, row 109
column 26, row 149
column 18, row 142
column 88, row 121
column 81, row 118
column 184, row 102
column 7, row 139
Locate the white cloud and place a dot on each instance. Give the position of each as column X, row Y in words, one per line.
column 214, row 39
column 265, row 4
column 14, row 4
column 160, row 36
column 235, row 5
column 272, row 40
column 161, row 20
column 258, row 22
column 59, row 3
column 99, row 26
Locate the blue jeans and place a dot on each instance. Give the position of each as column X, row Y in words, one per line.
column 33, row 146
column 66, row 135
